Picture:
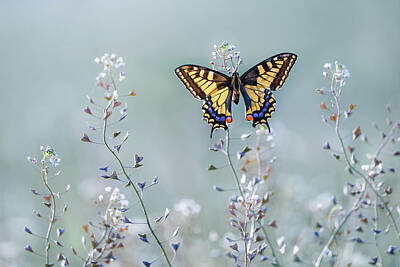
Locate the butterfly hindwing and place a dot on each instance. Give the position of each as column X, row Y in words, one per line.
column 213, row 88
column 260, row 104
column 217, row 109
column 258, row 82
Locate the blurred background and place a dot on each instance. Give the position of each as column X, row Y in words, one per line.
column 48, row 48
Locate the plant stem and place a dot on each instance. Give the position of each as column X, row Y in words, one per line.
column 228, row 158
column 376, row 225
column 53, row 212
column 367, row 181
column 128, row 178
column 342, row 223
column 364, row 177
column 136, row 191
column 137, row 194
column 235, row 176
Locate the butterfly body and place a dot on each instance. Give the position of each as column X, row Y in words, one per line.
column 218, row 90
column 235, row 87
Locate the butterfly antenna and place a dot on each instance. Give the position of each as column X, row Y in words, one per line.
column 269, row 130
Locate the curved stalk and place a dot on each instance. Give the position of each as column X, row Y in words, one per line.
column 129, row 179
column 137, row 194
column 53, row 212
column 352, row 168
column 236, row 178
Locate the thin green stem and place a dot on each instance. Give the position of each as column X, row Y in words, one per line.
column 129, row 179
column 228, row 158
column 376, row 225
column 236, row 178
column 137, row 194
column 52, row 215
column 332, row 238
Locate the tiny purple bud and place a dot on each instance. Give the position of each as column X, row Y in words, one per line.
column 28, row 248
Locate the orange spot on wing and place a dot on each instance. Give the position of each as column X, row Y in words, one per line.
column 229, row 119
column 249, row 117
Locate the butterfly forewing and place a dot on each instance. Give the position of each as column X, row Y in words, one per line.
column 213, row 88
column 270, row 73
column 201, row 81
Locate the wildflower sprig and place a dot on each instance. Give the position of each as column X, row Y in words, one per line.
column 49, row 159
column 109, row 81
column 111, row 230
column 247, row 209
column 226, row 58
column 369, row 173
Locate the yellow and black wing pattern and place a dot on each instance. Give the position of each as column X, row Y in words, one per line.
column 258, row 82
column 214, row 88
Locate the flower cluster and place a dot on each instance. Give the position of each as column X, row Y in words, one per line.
column 369, row 191
column 49, row 159
column 247, row 209
column 110, row 230
column 109, row 62
column 226, row 58
column 187, row 207
column 339, row 72
column 117, row 170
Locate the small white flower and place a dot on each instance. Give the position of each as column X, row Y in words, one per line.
column 124, row 203
column 101, row 198
column 107, row 189
column 296, row 249
column 97, row 60
column 188, row 207
column 122, row 76
column 213, row 236
column 320, row 202
column 325, row 74
column 365, row 167
column 54, row 159
column 119, row 65
column 32, row 160
column 328, row 66
column 115, row 94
